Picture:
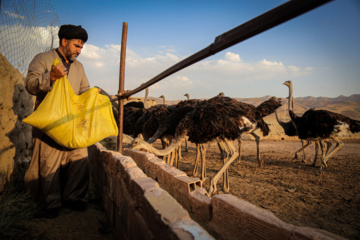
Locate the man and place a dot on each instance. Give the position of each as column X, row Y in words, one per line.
column 57, row 176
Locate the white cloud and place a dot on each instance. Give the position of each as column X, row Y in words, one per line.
column 232, row 57
column 203, row 79
column 28, row 42
column 14, row 15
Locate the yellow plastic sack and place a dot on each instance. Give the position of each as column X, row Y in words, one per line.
column 74, row 121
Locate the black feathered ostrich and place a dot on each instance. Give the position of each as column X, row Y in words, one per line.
column 167, row 127
column 217, row 119
column 264, row 109
column 320, row 125
column 290, row 130
column 149, row 121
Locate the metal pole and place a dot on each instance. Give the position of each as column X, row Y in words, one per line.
column 272, row 18
column 121, row 86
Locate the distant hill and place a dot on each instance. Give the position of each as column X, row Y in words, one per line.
column 349, row 106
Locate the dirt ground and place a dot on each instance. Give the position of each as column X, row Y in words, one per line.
column 294, row 192
column 71, row 225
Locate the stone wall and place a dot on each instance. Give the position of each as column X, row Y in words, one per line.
column 144, row 198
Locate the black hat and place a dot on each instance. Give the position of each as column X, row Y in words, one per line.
column 72, row 32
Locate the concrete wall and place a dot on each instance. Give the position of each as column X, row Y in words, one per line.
column 145, row 198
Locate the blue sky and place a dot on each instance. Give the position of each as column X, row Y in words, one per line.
column 318, row 51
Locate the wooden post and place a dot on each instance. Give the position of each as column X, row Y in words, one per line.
column 121, row 86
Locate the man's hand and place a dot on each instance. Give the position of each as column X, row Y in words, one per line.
column 57, row 72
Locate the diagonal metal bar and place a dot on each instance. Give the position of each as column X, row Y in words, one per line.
column 272, row 18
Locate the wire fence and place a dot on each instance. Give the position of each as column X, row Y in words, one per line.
column 26, row 29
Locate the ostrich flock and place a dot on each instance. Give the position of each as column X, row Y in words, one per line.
column 222, row 120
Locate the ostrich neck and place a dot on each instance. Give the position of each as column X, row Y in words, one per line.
column 127, row 139
column 278, row 120
column 291, row 99
column 156, row 135
column 156, row 151
column 146, row 97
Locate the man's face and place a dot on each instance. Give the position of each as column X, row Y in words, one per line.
column 73, row 48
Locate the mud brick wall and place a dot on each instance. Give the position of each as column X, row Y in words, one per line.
column 147, row 199
column 136, row 207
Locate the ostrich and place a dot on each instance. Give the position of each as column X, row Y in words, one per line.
column 163, row 97
column 217, row 119
column 290, row 130
column 131, row 116
column 320, row 125
column 260, row 108
column 150, row 120
column 167, row 128
column 132, row 112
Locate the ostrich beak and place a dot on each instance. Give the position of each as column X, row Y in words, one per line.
column 287, row 83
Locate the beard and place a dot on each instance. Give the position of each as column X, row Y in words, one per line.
column 70, row 56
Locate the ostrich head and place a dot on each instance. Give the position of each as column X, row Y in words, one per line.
column 187, row 96
column 288, row 83
column 136, row 143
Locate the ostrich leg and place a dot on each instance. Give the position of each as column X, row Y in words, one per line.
column 170, row 160
column 178, row 156
column 338, row 145
column 324, row 148
column 214, row 180
column 197, row 157
column 257, row 139
column 239, row 157
column 203, row 159
column 328, row 146
column 226, row 182
column 302, row 149
column 317, row 145
column 221, row 148
column 239, row 142
column 186, row 145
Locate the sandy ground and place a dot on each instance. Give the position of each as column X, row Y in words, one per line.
column 294, row 192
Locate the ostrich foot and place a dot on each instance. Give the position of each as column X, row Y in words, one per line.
column 204, row 179
column 311, row 164
column 323, row 167
column 226, row 189
column 261, row 162
column 212, row 189
column 236, row 161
